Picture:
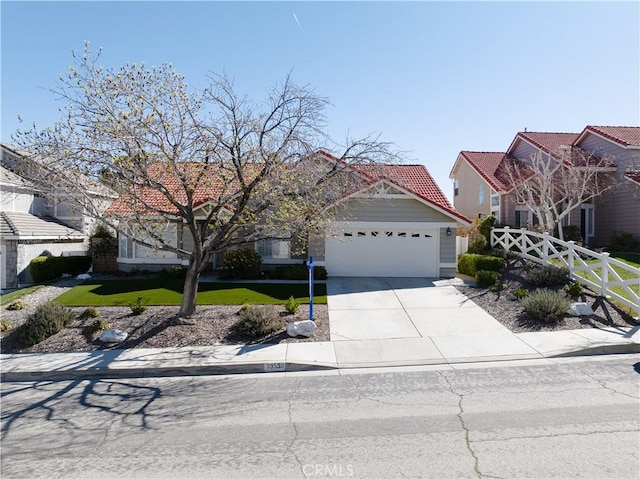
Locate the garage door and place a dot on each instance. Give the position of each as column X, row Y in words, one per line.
column 383, row 252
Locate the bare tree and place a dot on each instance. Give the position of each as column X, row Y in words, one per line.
column 553, row 187
column 225, row 169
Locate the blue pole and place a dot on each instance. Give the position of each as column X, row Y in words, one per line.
column 310, row 268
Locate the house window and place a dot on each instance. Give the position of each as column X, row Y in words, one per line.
column 456, row 187
column 126, row 247
column 275, row 249
column 480, row 195
column 525, row 217
column 495, row 200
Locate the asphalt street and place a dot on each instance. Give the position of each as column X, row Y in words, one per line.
column 576, row 417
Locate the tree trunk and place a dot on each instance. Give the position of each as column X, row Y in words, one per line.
column 189, row 294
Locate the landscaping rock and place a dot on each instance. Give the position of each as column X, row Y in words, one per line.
column 301, row 328
column 113, row 336
column 580, row 309
column 83, row 276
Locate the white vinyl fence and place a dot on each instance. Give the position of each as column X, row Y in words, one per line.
column 596, row 270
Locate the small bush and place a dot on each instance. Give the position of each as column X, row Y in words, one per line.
column 573, row 289
column 478, row 246
column 48, row 319
column 545, row 276
column 546, row 305
column 97, row 326
column 241, row 263
column 486, row 279
column 90, row 312
column 5, row 325
column 471, row 263
column 292, row 305
column 486, row 225
column 258, row 321
column 137, row 308
column 520, row 293
column 17, row 305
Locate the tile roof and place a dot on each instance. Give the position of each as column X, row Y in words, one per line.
column 9, row 178
column 624, row 135
column 414, row 178
column 28, row 226
column 551, row 143
column 486, row 165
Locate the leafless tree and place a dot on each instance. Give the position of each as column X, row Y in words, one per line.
column 223, row 168
column 553, row 187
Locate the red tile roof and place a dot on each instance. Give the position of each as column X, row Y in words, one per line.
column 552, row 143
column 624, row 135
column 414, row 178
column 486, row 165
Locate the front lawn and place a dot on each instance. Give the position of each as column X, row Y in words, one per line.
column 163, row 292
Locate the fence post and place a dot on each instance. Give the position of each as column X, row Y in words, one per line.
column 571, row 249
column 523, row 240
column 604, row 276
column 545, row 246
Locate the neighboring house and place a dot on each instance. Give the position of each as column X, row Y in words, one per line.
column 399, row 223
column 481, row 185
column 35, row 221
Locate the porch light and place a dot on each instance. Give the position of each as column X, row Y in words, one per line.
column 448, row 231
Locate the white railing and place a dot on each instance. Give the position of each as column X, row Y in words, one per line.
column 596, row 270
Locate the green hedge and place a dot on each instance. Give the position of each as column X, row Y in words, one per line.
column 470, row 264
column 298, row 271
column 46, row 268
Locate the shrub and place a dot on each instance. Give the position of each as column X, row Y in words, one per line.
column 241, row 263
column 5, row 325
column 573, row 289
column 97, row 326
column 546, row 305
column 485, row 278
column 520, row 293
column 137, row 308
column 102, row 231
column 48, row 319
column 478, row 245
column 298, row 271
column 175, row 272
column 46, row 268
column 292, row 305
column 485, row 227
column 545, row 276
column 17, row 305
column 621, row 241
column 258, row 321
column 90, row 312
column 471, row 263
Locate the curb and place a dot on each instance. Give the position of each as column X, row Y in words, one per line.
column 266, row 368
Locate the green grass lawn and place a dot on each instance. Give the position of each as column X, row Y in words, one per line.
column 14, row 295
column 623, row 273
column 163, row 292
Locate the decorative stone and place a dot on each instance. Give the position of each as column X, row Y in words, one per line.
column 301, row 328
column 580, row 309
column 83, row 276
column 113, row 336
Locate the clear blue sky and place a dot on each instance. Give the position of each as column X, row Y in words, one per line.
column 433, row 77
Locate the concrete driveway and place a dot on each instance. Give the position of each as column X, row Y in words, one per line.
column 389, row 308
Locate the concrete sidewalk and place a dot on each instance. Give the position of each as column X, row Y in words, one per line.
column 367, row 353
column 375, row 322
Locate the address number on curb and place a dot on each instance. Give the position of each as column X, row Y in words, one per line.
column 274, row 367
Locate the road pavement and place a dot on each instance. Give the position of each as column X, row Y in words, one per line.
column 569, row 417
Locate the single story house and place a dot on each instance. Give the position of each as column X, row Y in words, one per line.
column 398, row 223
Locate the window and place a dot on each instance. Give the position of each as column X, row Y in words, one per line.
column 495, row 200
column 525, row 217
column 273, row 249
column 456, row 187
column 480, row 195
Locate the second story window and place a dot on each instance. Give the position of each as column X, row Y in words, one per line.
column 480, row 195
column 456, row 186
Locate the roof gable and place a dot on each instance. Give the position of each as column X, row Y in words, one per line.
column 486, row 164
column 623, row 135
column 551, row 143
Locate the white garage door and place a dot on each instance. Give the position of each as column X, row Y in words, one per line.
column 383, row 252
